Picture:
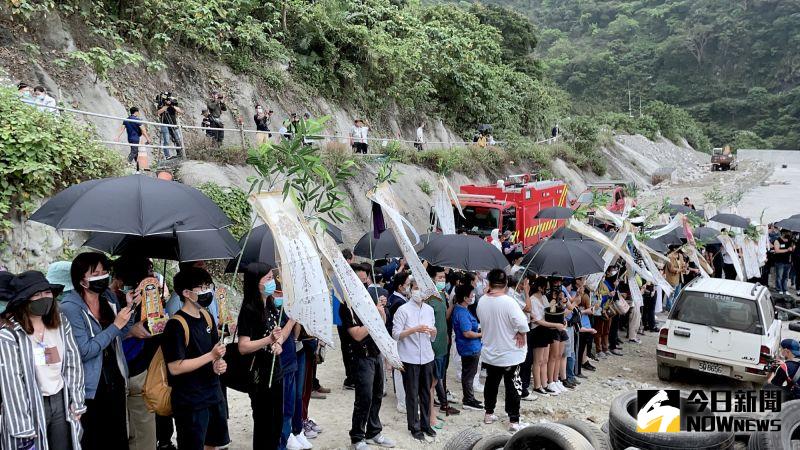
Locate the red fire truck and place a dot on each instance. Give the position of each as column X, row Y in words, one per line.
column 510, row 205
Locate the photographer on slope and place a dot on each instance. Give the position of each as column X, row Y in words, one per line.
column 168, row 111
column 216, row 105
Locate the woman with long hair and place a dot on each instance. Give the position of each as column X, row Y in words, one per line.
column 541, row 336
column 555, row 315
column 260, row 334
column 41, row 378
column 99, row 323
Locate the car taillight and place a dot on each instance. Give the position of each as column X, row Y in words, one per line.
column 663, row 335
column 764, row 355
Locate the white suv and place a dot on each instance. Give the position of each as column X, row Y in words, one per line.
column 723, row 327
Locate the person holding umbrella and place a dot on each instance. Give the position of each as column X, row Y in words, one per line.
column 99, row 325
column 41, row 378
column 782, row 251
column 261, row 335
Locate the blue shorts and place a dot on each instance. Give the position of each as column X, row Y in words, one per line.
column 438, row 370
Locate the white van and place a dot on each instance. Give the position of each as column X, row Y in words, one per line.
column 723, row 327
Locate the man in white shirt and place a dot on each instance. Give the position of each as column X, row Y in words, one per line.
column 358, row 136
column 44, row 102
column 420, row 136
column 414, row 329
column 504, row 328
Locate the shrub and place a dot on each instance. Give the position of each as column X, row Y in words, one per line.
column 41, row 153
column 748, row 139
column 675, row 123
column 233, row 202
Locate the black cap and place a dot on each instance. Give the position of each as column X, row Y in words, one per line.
column 28, row 283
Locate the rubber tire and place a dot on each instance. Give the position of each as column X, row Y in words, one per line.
column 464, row 439
column 492, row 442
column 556, row 436
column 665, row 372
column 790, row 422
column 623, row 434
column 591, row 432
column 794, row 326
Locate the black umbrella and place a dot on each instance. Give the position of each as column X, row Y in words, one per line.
column 566, row 258
column 657, row 245
column 485, row 128
column 682, row 209
column 555, row 212
column 671, row 238
column 179, row 246
column 732, row 220
column 260, row 246
column 568, row 234
column 463, row 252
column 371, row 248
column 135, row 204
column 791, row 224
column 700, row 233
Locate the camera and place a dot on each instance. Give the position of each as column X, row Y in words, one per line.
column 166, row 99
column 772, row 365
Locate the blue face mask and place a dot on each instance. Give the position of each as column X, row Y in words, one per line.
column 269, row 287
column 440, row 285
column 278, row 302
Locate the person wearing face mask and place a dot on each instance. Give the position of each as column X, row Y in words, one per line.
column 41, row 364
column 468, row 343
column 441, row 344
column 607, row 293
column 44, row 102
column 400, row 296
column 414, row 330
column 194, row 368
column 99, row 324
column 261, row 334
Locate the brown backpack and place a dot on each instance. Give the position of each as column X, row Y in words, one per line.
column 156, row 391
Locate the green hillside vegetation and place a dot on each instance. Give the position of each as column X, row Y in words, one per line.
column 733, row 64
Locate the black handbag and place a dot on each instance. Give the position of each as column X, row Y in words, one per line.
column 242, row 372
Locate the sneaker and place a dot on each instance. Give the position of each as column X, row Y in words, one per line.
column 635, row 341
column 430, row 432
column 489, row 419
column 473, row 405
column 362, row 445
column 582, row 376
column 616, row 352
column 563, row 388
column 323, row 390
column 382, row 441
column 418, row 435
column 314, row 426
column 293, row 444
column 449, row 410
column 318, row 395
column 602, row 355
column 451, row 398
column 588, row 366
column 309, row 432
column 542, row 392
column 477, row 387
column 552, row 389
column 528, row 397
column 301, row 438
column 514, row 427
column 568, row 385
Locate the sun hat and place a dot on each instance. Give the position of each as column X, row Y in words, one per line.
column 58, row 273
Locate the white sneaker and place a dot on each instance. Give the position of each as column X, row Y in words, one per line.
column 381, row 441
column 451, row 398
column 293, row 443
column 477, row 387
column 489, row 419
column 514, row 427
column 553, row 389
column 301, row 438
column 528, row 398
column 560, row 385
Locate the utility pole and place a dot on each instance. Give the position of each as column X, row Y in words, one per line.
column 640, row 105
column 630, row 109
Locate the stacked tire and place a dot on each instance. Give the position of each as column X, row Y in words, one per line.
column 569, row 434
column 787, row 438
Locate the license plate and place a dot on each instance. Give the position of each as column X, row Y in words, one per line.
column 711, row 368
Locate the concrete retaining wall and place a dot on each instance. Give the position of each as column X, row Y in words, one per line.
column 791, row 157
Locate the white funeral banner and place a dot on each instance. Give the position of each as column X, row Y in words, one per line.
column 305, row 289
column 646, row 252
column 443, row 200
column 354, row 293
column 730, row 249
column 752, row 266
column 383, row 196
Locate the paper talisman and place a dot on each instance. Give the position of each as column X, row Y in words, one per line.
column 152, row 308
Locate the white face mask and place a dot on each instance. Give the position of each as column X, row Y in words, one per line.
column 416, row 296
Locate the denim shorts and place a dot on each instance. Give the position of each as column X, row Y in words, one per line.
column 438, row 370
